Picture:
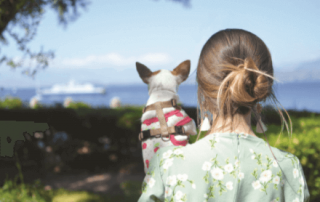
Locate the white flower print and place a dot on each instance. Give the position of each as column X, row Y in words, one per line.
column 183, row 177
column 193, row 186
column 265, row 176
column 178, row 152
column 275, row 164
column 253, row 157
column 167, row 192
column 251, row 151
column 295, row 173
column 217, row 173
column 256, row 184
column 167, row 154
column 245, row 135
column 228, row 168
column 151, row 182
column 205, row 195
column 301, row 180
column 206, row 166
column 179, row 195
column 276, row 180
column 172, row 180
column 147, row 178
column 229, row 185
column 236, row 163
column 296, row 200
column 167, row 163
column 241, row 176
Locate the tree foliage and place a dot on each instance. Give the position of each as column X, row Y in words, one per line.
column 23, row 16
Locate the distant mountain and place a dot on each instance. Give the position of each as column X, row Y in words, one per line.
column 304, row 72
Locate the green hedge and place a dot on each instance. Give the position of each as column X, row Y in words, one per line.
column 79, row 105
column 11, row 103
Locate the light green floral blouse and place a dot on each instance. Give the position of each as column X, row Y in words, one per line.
column 224, row 167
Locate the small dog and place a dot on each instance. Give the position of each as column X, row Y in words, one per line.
column 163, row 85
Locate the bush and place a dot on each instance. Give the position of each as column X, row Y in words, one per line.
column 11, row 103
column 79, row 105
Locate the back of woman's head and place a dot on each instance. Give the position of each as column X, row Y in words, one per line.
column 234, row 73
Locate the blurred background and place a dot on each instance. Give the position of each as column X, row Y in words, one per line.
column 71, row 64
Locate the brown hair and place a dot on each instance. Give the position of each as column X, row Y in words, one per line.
column 234, row 73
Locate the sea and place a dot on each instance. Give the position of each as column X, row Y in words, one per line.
column 293, row 96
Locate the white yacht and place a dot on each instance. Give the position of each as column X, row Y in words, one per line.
column 72, row 88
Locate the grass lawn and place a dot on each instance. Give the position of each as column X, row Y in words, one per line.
column 12, row 192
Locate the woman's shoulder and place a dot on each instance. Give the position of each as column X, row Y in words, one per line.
column 292, row 172
column 279, row 154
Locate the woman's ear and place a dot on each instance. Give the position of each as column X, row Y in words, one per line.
column 144, row 72
column 182, row 70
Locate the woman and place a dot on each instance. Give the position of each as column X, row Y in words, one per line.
column 230, row 163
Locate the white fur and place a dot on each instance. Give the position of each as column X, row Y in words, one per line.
column 164, row 80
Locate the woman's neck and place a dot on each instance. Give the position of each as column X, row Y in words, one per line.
column 240, row 124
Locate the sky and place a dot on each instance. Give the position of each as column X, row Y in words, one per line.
column 104, row 43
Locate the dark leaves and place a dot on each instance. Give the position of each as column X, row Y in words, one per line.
column 20, row 20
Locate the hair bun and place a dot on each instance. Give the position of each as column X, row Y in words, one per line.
column 248, row 84
column 259, row 87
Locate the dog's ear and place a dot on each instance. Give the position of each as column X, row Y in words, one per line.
column 144, row 72
column 182, row 70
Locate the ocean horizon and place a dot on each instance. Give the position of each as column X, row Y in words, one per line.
column 293, row 96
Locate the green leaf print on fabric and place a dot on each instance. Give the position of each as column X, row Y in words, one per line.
column 168, row 157
column 148, row 181
column 266, row 177
column 276, row 200
column 230, row 168
column 213, row 141
column 174, row 181
column 277, row 179
column 218, row 173
column 243, row 135
column 296, row 173
column 293, row 159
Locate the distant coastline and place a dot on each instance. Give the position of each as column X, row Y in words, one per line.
column 297, row 96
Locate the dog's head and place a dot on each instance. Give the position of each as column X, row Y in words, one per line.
column 164, row 79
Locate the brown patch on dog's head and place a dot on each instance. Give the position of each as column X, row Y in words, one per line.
column 155, row 73
column 182, row 70
column 145, row 73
